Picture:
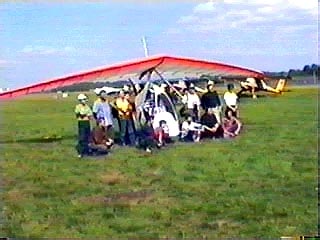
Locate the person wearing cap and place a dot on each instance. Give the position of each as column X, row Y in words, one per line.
column 231, row 100
column 193, row 103
column 211, row 100
column 125, row 109
column 103, row 113
column 84, row 114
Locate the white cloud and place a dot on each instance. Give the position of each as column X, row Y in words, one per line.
column 6, row 63
column 309, row 4
column 266, row 9
column 205, row 7
column 212, row 15
column 233, row 1
column 3, row 62
column 188, row 19
column 46, row 50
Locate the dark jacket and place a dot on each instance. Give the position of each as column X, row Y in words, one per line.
column 210, row 100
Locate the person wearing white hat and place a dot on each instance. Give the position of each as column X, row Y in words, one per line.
column 84, row 114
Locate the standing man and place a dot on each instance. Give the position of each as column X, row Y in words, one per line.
column 83, row 114
column 211, row 100
column 132, row 116
column 124, row 111
column 102, row 112
column 193, row 103
column 96, row 103
column 231, row 100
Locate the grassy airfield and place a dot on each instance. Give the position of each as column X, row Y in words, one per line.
column 262, row 184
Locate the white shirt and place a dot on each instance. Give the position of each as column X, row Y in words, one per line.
column 193, row 126
column 192, row 99
column 230, row 98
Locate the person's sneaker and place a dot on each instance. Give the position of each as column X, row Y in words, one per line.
column 79, row 156
column 148, row 150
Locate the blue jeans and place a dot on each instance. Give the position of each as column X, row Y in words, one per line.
column 127, row 132
column 83, row 137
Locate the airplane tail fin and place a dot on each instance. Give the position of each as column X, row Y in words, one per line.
column 281, row 84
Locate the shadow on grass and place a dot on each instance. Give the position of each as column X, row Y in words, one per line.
column 46, row 139
column 50, row 139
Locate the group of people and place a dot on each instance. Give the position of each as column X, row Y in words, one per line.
column 101, row 138
column 212, row 123
column 202, row 119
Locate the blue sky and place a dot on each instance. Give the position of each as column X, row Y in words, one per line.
column 40, row 41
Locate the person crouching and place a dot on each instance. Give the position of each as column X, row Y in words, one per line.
column 100, row 142
column 161, row 134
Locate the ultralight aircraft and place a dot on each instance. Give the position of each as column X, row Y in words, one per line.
column 163, row 67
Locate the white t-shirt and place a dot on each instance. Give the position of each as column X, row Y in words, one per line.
column 192, row 99
column 193, row 126
column 230, row 98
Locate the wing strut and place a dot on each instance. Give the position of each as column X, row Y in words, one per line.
column 170, row 85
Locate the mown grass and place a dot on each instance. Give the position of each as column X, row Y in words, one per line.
column 262, row 184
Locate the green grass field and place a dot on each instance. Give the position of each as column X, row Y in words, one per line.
column 262, row 184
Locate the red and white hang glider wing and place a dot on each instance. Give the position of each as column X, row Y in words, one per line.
column 170, row 67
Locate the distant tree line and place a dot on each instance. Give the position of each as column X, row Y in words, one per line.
column 307, row 70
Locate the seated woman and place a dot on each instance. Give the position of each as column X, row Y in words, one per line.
column 99, row 142
column 231, row 125
column 211, row 127
column 190, row 131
